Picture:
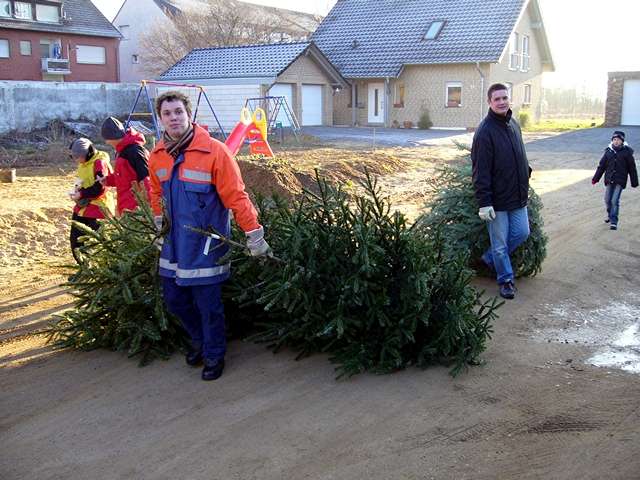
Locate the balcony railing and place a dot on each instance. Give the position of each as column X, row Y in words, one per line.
column 59, row 66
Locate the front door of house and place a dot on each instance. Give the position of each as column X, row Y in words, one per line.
column 376, row 103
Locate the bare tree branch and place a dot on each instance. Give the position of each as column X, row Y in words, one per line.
column 219, row 23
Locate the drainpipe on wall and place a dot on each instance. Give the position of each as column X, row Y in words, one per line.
column 387, row 95
column 481, row 90
column 118, row 61
column 354, row 106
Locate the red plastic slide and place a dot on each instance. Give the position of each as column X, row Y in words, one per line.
column 236, row 138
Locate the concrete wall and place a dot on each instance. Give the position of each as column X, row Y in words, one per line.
column 29, row 67
column 28, row 105
column 134, row 18
column 615, row 90
column 306, row 71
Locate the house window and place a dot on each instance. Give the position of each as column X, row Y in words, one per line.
column 351, row 102
column 91, row 55
column 4, row 48
column 434, row 30
column 514, row 56
column 454, row 94
column 25, row 47
column 47, row 13
column 509, row 89
column 527, row 94
column 525, row 53
column 398, row 100
column 23, row 10
column 124, row 30
column 5, row 8
column 135, row 58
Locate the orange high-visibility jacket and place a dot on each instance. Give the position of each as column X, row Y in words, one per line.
column 198, row 189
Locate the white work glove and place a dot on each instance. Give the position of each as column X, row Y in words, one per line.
column 487, row 214
column 256, row 243
column 157, row 221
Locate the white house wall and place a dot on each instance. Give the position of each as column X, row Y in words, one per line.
column 227, row 101
column 140, row 15
column 500, row 72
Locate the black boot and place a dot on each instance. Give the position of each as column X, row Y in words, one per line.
column 194, row 357
column 212, row 369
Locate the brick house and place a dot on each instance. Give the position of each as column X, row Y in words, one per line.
column 623, row 99
column 405, row 58
column 57, row 40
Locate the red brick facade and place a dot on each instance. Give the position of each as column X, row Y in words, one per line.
column 29, row 67
column 613, row 109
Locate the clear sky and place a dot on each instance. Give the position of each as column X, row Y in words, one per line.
column 588, row 38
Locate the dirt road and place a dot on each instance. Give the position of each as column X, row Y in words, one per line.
column 537, row 409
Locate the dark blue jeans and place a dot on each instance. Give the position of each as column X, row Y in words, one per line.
column 612, row 201
column 506, row 232
column 200, row 309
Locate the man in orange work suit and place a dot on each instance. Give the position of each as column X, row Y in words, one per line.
column 194, row 183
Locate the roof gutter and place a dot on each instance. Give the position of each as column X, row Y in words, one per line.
column 481, row 90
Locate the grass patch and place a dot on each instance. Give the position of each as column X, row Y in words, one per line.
column 563, row 124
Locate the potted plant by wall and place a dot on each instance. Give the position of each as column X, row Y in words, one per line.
column 407, row 124
column 424, row 122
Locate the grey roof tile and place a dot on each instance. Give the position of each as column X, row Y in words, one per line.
column 389, row 33
column 236, row 62
column 83, row 18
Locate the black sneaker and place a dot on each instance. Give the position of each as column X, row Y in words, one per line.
column 508, row 290
column 613, row 226
column 193, row 358
column 607, row 220
column 212, row 369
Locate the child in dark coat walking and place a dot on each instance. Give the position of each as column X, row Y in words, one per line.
column 616, row 164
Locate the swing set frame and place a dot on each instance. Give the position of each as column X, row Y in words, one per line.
column 156, row 124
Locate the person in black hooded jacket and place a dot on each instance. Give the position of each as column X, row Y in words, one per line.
column 501, row 181
column 617, row 164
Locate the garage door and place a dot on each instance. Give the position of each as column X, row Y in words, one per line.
column 311, row 104
column 631, row 103
column 283, row 90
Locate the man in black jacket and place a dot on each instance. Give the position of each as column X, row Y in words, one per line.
column 501, row 181
column 616, row 164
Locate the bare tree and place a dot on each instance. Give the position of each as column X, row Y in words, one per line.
column 219, row 23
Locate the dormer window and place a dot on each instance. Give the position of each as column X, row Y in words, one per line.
column 48, row 13
column 5, row 8
column 22, row 10
column 434, row 30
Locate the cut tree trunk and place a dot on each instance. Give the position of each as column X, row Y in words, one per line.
column 8, row 175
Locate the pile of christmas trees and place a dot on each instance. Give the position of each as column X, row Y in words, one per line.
column 118, row 296
column 352, row 278
column 452, row 211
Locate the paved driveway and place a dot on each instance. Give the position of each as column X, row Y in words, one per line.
column 589, row 140
column 387, row 136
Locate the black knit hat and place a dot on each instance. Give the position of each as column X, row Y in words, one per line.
column 618, row 134
column 112, row 129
